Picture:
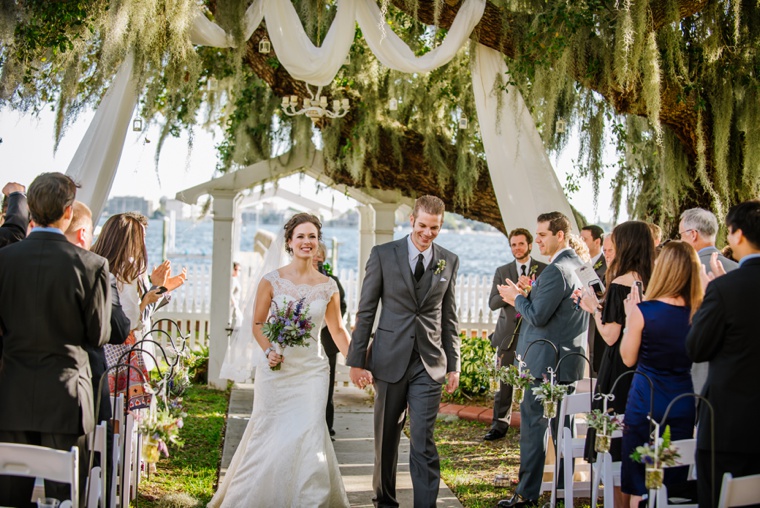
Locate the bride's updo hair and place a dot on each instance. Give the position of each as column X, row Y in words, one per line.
column 297, row 220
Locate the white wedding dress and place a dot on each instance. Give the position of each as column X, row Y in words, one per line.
column 286, row 458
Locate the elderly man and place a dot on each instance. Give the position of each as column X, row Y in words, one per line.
column 699, row 228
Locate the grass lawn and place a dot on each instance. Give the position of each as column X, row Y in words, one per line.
column 191, row 470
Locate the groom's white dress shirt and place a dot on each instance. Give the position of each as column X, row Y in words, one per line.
column 414, row 252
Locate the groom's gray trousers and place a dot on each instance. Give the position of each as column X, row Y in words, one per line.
column 422, row 394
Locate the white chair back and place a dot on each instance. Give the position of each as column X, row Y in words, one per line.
column 41, row 462
column 741, row 491
column 687, row 449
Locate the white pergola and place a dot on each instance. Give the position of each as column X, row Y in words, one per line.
column 377, row 211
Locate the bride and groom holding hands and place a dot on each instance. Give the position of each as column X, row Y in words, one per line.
column 285, row 457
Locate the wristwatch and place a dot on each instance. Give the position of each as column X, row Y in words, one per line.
column 268, row 350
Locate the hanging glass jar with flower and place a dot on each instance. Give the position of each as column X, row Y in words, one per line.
column 160, row 427
column 550, row 394
column 520, row 380
column 655, row 456
column 604, row 424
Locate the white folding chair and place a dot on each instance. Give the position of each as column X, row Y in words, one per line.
column 607, row 472
column 94, row 492
column 115, row 468
column 129, row 456
column 741, row 491
column 570, row 445
column 98, row 443
column 687, row 448
column 41, row 462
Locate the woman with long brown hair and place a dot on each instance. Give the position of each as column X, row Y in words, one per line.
column 122, row 243
column 654, row 339
column 632, row 264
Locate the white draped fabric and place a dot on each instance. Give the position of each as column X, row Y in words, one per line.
column 521, row 173
column 523, row 178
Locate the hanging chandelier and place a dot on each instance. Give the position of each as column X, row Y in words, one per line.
column 315, row 107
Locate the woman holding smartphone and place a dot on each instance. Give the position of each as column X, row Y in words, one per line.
column 634, row 259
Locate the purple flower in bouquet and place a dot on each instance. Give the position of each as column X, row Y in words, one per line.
column 288, row 326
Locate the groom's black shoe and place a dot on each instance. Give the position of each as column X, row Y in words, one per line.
column 494, row 434
column 517, row 501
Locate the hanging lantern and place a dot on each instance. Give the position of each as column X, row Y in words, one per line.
column 463, row 122
column 348, row 59
column 561, row 126
column 265, row 46
column 137, row 124
column 393, row 104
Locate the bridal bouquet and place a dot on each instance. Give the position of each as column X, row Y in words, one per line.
column 288, row 325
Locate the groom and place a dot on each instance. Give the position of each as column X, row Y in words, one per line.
column 415, row 347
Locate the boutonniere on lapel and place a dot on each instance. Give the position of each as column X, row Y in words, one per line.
column 598, row 264
column 533, row 270
column 440, row 266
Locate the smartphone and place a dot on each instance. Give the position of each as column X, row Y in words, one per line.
column 597, row 287
column 639, row 286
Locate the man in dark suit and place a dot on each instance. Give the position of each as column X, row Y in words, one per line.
column 593, row 236
column 16, row 214
column 414, row 351
column 699, row 228
column 724, row 334
column 328, row 344
column 504, row 337
column 548, row 313
column 54, row 302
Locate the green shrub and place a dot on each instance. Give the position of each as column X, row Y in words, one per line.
column 475, row 353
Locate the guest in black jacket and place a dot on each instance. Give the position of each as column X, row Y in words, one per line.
column 724, row 333
column 54, row 302
column 331, row 350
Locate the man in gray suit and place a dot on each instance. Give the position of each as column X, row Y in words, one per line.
column 699, row 227
column 548, row 313
column 415, row 349
column 504, row 337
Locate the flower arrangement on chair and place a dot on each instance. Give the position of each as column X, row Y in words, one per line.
column 654, row 456
column 604, row 424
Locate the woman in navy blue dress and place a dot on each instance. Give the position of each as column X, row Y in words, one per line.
column 655, row 337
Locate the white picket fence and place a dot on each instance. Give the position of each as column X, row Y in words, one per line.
column 190, row 304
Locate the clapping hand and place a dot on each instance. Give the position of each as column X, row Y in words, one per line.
column 524, row 282
column 173, row 283
column 160, row 273
column 509, row 291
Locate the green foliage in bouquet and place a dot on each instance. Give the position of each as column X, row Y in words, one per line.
column 548, row 391
column 666, row 455
column 511, row 375
column 596, row 418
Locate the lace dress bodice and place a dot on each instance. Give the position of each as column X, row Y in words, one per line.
column 316, row 297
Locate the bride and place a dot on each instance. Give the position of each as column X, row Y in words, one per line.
column 285, row 457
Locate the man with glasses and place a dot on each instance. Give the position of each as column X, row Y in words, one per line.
column 698, row 228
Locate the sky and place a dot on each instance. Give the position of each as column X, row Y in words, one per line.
column 27, row 150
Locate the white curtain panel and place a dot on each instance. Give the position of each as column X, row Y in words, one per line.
column 521, row 173
column 205, row 32
column 396, row 54
column 97, row 157
column 316, row 65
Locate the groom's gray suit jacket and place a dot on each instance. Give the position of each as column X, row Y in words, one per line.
column 427, row 320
